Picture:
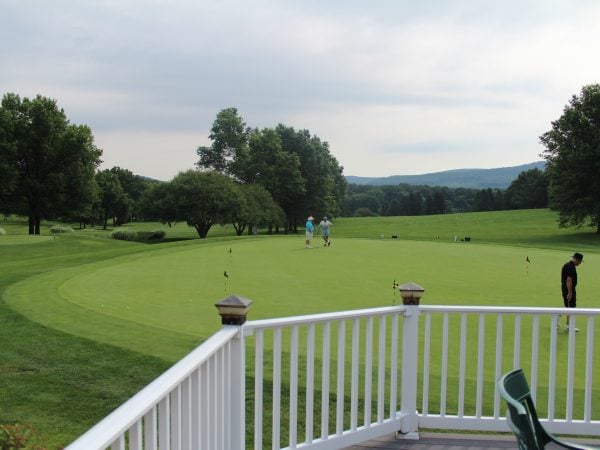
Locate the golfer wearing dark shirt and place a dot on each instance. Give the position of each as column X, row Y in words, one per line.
column 568, row 283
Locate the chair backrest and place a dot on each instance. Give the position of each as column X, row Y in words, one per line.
column 521, row 415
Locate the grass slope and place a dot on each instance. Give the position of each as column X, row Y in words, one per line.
column 62, row 351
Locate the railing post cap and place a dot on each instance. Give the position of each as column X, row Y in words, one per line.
column 233, row 309
column 411, row 293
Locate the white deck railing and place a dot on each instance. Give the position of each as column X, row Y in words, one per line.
column 327, row 381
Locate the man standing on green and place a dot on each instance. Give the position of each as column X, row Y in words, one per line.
column 568, row 282
column 324, row 226
column 309, row 231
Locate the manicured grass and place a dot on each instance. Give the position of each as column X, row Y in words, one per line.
column 160, row 302
column 114, row 314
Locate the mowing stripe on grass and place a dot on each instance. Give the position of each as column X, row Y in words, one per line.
column 161, row 302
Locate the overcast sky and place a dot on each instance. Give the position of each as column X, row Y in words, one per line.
column 396, row 87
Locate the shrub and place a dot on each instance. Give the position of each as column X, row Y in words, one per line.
column 157, row 234
column 19, row 436
column 61, row 229
column 2, row 231
column 123, row 234
column 364, row 212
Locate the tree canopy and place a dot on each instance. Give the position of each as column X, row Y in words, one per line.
column 573, row 160
column 294, row 166
column 203, row 199
column 48, row 163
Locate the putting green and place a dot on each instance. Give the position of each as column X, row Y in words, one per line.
column 161, row 302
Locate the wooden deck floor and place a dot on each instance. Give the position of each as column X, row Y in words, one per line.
column 442, row 441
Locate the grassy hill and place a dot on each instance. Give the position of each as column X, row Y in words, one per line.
column 64, row 364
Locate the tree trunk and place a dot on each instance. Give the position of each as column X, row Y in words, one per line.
column 37, row 224
column 31, row 223
column 239, row 229
column 202, row 229
column 250, row 229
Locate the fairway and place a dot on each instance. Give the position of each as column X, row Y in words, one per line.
column 161, row 302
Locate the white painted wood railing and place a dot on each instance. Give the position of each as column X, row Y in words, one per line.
column 327, row 381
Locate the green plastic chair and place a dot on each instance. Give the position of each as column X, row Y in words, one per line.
column 522, row 417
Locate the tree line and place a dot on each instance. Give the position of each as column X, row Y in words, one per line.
column 270, row 177
column 528, row 190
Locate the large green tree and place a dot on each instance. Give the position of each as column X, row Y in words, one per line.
column 258, row 209
column 203, row 199
column 115, row 204
column 573, row 160
column 528, row 190
column 324, row 183
column 48, row 163
column 229, row 136
column 295, row 167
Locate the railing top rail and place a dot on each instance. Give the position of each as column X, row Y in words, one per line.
column 252, row 325
column 280, row 322
column 121, row 419
column 510, row 310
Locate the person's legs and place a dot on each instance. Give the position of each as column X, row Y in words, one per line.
column 571, row 304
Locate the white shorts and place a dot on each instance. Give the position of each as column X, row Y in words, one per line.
column 309, row 235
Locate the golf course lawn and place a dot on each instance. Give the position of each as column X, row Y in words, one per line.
column 160, row 302
column 86, row 321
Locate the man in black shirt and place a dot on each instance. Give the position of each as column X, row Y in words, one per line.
column 568, row 282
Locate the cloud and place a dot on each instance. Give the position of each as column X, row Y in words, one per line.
column 366, row 77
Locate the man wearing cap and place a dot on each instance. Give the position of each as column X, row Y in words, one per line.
column 568, row 282
column 309, row 230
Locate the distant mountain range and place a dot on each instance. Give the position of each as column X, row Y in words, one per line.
column 467, row 178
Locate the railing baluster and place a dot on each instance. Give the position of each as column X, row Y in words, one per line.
column 570, row 370
column 394, row 368
column 552, row 368
column 310, row 382
column 444, row 374
column 195, row 400
column 205, row 405
column 293, row 430
column 186, row 413
column 426, row 362
column 164, row 428
column 535, row 335
column 341, row 345
column 258, row 390
column 589, row 367
column 136, row 436
column 381, row 371
column 230, row 416
column 462, row 365
column 480, row 358
column 219, row 403
column 354, row 375
column 325, row 380
column 517, row 342
column 276, row 432
column 499, row 351
column 213, row 404
column 176, row 418
column 368, row 371
column 150, row 430
column 119, row 444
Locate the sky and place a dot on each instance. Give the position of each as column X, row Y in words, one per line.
column 396, row 87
